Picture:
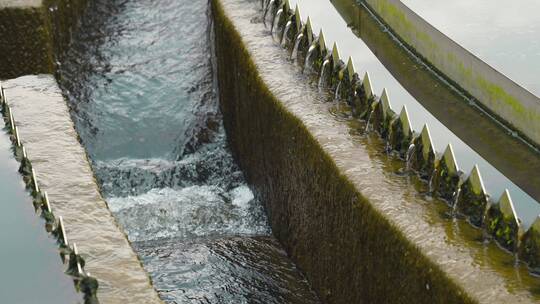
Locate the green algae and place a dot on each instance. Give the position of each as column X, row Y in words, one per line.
column 529, row 250
column 33, row 39
column 309, row 202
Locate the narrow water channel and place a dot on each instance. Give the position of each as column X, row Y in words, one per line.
column 140, row 82
column 29, row 258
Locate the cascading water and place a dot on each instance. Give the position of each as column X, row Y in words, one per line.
column 410, row 155
column 323, row 69
column 368, row 121
column 336, row 94
column 294, row 53
column 275, row 22
column 267, row 8
column 286, row 33
column 141, row 86
column 308, row 56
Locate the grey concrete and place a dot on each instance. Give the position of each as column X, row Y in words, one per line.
column 63, row 171
column 496, row 92
column 20, row 3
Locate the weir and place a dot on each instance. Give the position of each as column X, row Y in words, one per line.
column 60, row 164
column 242, row 158
column 31, row 258
column 259, row 99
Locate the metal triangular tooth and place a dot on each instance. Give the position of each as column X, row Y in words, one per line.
column 287, row 6
column 11, row 120
column 76, row 252
column 385, row 102
column 350, row 68
column 298, row 18
column 34, row 178
column 476, row 182
column 47, row 203
column 322, row 43
column 536, row 224
column 309, row 30
column 335, row 54
column 62, row 230
column 405, row 122
column 366, row 83
column 450, row 159
column 427, row 142
column 17, row 138
column 507, row 208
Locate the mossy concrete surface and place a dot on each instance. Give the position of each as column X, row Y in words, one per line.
column 358, row 236
column 34, row 34
column 496, row 93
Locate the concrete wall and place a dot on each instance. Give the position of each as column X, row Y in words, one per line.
column 358, row 236
column 34, row 34
column 496, row 93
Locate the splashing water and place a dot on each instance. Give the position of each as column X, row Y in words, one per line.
column 143, row 97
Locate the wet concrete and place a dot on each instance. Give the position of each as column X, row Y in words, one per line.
column 63, row 171
column 361, row 230
column 323, row 14
column 495, row 144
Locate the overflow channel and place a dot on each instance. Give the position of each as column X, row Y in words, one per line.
column 140, row 82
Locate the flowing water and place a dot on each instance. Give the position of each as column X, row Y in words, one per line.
column 30, row 258
column 140, row 82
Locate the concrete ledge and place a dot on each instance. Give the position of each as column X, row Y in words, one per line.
column 61, row 166
column 359, row 235
column 496, row 93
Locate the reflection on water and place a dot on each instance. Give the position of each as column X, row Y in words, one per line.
column 140, row 83
column 29, row 259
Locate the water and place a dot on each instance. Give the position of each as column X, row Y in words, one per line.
column 140, row 84
column 32, row 270
column 407, row 87
column 504, row 36
column 295, row 48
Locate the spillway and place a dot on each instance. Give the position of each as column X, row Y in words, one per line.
column 229, row 168
column 143, row 96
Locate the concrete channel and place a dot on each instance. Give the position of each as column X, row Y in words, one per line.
column 370, row 203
